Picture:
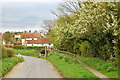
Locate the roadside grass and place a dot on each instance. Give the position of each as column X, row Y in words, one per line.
column 108, row 68
column 7, row 64
column 28, row 52
column 68, row 67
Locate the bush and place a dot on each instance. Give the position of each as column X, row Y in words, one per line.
column 7, row 52
column 19, row 47
column 86, row 49
column 4, row 53
column 10, row 52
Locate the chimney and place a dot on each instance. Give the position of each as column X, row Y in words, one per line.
column 29, row 31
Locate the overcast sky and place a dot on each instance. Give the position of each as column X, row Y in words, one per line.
column 24, row 15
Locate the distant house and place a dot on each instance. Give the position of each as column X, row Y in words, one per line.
column 35, row 39
column 17, row 37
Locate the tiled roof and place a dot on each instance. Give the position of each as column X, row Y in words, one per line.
column 39, row 41
column 30, row 35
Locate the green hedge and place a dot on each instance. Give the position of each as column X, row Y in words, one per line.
column 19, row 47
column 27, row 47
column 34, row 47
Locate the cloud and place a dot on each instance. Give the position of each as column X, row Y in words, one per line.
column 31, row 0
column 18, row 16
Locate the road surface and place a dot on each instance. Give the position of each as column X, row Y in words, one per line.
column 33, row 68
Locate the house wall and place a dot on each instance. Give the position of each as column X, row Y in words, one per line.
column 51, row 45
column 31, row 38
column 23, row 42
column 35, row 38
column 28, row 38
column 17, row 36
column 29, row 44
column 40, row 45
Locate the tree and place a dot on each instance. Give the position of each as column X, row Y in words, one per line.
column 47, row 24
column 87, row 23
column 8, row 37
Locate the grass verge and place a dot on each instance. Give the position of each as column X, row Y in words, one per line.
column 28, row 53
column 108, row 68
column 68, row 67
column 7, row 64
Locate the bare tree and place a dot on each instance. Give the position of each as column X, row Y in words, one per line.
column 69, row 7
column 47, row 24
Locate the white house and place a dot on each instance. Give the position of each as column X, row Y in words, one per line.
column 35, row 39
column 17, row 36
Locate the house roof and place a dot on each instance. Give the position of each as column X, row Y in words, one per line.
column 30, row 35
column 40, row 38
column 39, row 41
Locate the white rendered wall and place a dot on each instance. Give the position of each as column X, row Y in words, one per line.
column 17, row 36
column 29, row 44
column 28, row 38
column 23, row 41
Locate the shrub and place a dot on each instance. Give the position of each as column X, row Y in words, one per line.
column 19, row 47
column 7, row 52
column 10, row 52
column 86, row 49
column 4, row 53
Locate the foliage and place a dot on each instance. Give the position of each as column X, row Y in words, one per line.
column 19, row 47
column 8, row 63
column 108, row 68
column 10, row 52
column 4, row 53
column 86, row 49
column 68, row 67
column 34, row 47
column 8, row 37
column 7, row 52
column 27, row 47
column 88, row 27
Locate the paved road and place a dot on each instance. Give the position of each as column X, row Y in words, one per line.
column 33, row 68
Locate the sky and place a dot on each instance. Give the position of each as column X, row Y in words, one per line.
column 26, row 15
